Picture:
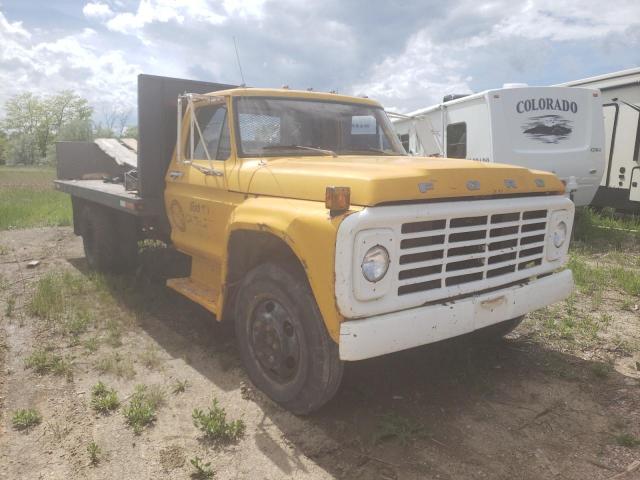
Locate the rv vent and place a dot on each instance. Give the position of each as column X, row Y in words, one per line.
column 454, row 96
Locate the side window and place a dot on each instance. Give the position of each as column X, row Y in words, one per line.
column 404, row 140
column 457, row 140
column 215, row 139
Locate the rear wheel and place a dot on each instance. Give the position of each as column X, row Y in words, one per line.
column 283, row 341
column 109, row 239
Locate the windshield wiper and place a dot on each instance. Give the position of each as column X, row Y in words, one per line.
column 300, row 147
column 372, row 150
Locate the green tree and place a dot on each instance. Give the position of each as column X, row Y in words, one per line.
column 33, row 123
column 3, row 147
column 131, row 132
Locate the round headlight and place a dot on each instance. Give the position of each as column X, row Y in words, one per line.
column 375, row 263
column 559, row 234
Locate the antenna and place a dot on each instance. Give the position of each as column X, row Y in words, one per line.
column 238, row 58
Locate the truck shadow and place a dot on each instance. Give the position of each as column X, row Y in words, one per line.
column 455, row 409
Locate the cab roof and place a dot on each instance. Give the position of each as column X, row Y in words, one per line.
column 285, row 92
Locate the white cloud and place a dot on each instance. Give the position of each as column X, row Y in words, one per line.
column 97, row 10
column 77, row 61
column 435, row 60
column 163, row 11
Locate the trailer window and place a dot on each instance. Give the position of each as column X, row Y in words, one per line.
column 215, row 140
column 457, row 140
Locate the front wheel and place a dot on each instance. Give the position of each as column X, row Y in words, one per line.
column 283, row 341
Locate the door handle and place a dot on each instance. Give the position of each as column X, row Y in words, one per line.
column 175, row 174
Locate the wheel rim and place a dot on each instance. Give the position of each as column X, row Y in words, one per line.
column 275, row 341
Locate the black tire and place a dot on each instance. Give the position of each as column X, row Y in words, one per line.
column 109, row 245
column 283, row 341
column 495, row 332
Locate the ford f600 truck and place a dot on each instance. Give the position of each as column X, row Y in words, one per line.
column 309, row 227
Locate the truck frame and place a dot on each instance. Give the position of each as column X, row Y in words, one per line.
column 310, row 229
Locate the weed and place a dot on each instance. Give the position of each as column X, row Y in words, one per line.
column 4, row 250
column 627, row 304
column 391, row 425
column 180, row 386
column 114, row 333
column 58, row 431
column 150, row 358
column 91, row 344
column 44, row 361
column 215, row 426
column 78, row 323
column 117, row 365
column 627, row 440
column 203, row 470
column 141, row 410
column 25, row 418
column 8, row 309
column 94, row 452
column 103, row 398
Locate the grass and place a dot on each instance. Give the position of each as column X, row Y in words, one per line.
column 27, row 199
column 44, row 361
column 627, row 440
column 56, row 294
column 141, row 410
column 25, row 418
column 94, row 452
column 394, row 426
column 8, row 309
column 91, row 345
column 202, row 470
column 180, row 386
column 104, row 399
column 606, row 230
column 116, row 364
column 213, row 423
column 150, row 358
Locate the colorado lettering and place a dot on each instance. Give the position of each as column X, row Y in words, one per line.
column 535, row 104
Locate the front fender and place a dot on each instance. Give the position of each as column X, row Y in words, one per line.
column 308, row 229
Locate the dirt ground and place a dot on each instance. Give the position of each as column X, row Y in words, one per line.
column 523, row 408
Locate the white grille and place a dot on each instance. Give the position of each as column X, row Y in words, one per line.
column 449, row 252
column 441, row 251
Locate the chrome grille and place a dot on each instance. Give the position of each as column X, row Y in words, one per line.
column 456, row 251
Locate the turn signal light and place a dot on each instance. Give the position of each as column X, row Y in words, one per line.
column 337, row 199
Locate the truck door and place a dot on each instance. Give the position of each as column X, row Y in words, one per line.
column 198, row 200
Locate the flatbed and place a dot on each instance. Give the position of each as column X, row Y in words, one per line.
column 112, row 195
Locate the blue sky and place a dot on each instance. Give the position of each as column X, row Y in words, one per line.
column 407, row 54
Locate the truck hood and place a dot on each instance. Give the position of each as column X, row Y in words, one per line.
column 383, row 179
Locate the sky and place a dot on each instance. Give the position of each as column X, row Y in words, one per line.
column 406, row 54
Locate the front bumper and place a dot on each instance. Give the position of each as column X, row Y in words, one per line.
column 392, row 332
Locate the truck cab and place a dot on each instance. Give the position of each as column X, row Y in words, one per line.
column 310, row 228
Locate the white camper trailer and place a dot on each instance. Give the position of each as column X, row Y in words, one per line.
column 620, row 186
column 546, row 128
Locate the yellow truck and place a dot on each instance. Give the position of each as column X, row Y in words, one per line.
column 309, row 227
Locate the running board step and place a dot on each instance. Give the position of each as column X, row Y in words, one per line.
column 195, row 291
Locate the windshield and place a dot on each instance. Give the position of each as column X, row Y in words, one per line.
column 283, row 126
